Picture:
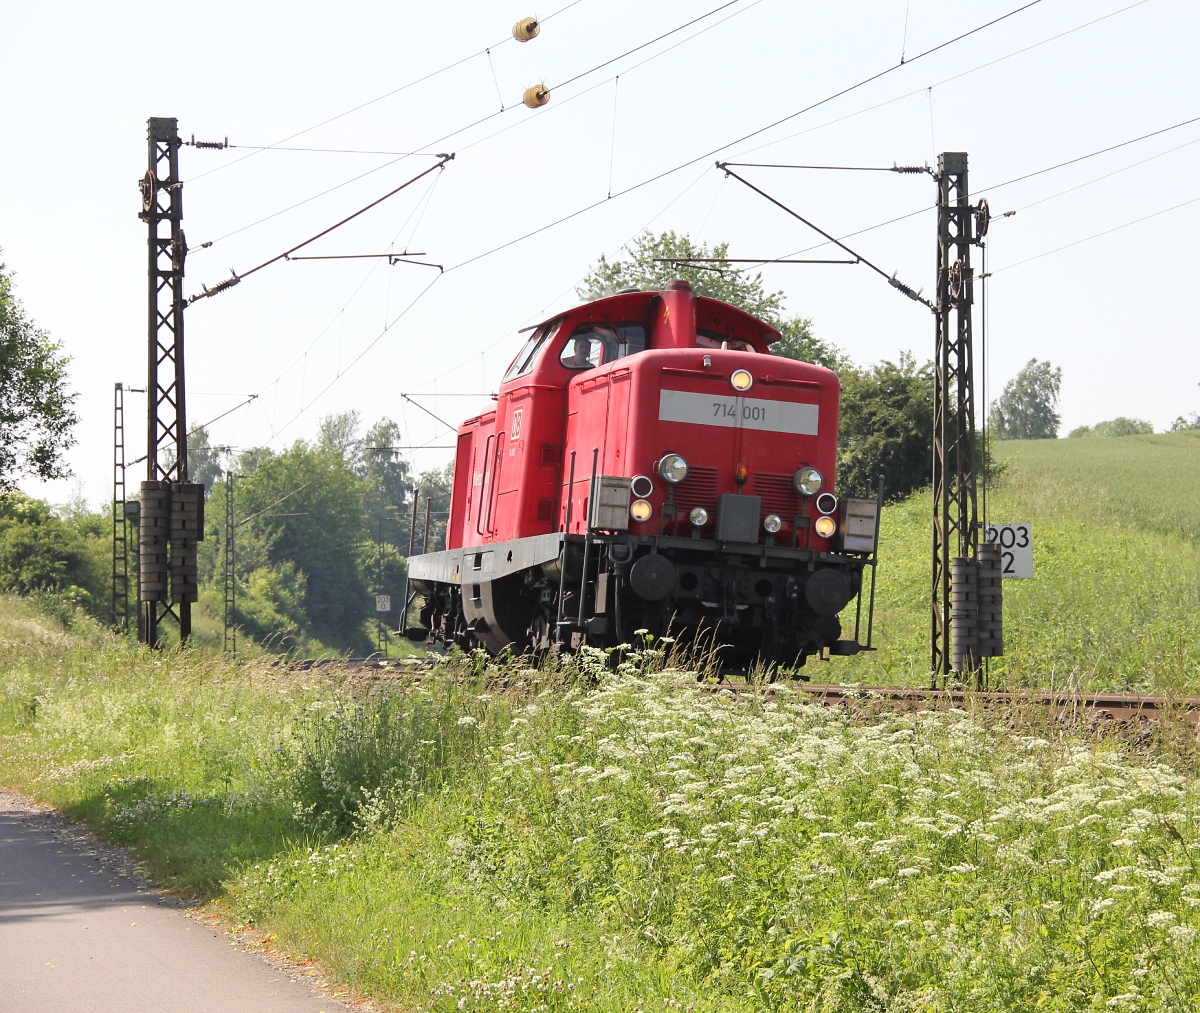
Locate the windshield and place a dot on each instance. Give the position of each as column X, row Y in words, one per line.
column 711, row 339
column 593, row 343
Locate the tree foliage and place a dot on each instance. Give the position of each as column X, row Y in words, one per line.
column 1028, row 408
column 307, row 505
column 886, row 426
column 204, row 460
column 1184, row 423
column 650, row 267
column 435, row 486
column 389, row 484
column 36, row 414
column 310, row 562
column 41, row 552
column 1120, row 426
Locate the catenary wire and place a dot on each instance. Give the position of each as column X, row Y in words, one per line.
column 922, row 210
column 454, row 133
column 944, row 81
column 1026, row 176
column 353, row 295
column 541, row 314
column 387, row 327
column 693, row 161
column 754, row 3
column 1031, row 175
column 378, row 98
column 549, row 110
column 745, row 137
column 1088, row 239
column 890, row 278
column 1107, row 175
column 639, row 48
column 237, row 278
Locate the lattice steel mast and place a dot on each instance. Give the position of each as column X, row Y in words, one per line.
column 230, row 579
column 120, row 548
column 171, row 512
column 954, row 636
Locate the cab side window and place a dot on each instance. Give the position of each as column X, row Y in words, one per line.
column 591, row 344
column 526, row 358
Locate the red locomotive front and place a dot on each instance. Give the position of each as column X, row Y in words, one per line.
column 650, row 465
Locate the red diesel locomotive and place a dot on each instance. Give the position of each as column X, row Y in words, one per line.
column 649, row 464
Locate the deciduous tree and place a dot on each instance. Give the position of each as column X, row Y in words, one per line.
column 36, row 414
column 1028, row 408
column 651, row 266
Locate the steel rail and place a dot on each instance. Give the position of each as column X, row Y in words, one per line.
column 1119, row 706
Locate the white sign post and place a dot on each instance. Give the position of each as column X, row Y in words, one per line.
column 383, row 603
column 1016, row 548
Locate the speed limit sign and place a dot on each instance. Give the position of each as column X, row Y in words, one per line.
column 1016, row 548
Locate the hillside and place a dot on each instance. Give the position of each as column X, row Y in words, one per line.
column 1115, row 598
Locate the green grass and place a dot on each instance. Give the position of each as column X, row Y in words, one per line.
column 646, row 843
column 1114, row 602
column 482, row 838
column 1144, row 483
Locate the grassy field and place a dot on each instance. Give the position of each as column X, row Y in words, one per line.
column 645, row 843
column 1115, row 598
column 463, row 837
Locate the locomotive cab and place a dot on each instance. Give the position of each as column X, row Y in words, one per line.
column 649, row 464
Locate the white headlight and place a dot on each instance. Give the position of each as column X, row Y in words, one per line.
column 698, row 516
column 825, row 526
column 673, row 468
column 741, row 379
column 808, row 481
column 772, row 523
column 640, row 510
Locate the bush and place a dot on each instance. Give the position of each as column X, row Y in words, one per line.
column 1120, row 426
column 39, row 553
column 885, row 425
column 1182, row 423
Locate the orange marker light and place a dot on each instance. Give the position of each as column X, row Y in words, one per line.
column 741, row 475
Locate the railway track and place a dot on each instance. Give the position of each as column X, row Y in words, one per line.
column 1123, row 707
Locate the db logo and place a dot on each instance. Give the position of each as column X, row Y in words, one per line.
column 518, row 417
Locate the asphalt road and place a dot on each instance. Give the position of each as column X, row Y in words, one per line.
column 78, row 932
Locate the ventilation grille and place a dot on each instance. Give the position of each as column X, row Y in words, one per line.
column 778, row 494
column 698, row 489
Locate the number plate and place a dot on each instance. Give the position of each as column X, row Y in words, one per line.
column 738, row 412
column 1016, row 548
column 383, row 603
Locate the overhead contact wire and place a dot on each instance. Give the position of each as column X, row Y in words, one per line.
column 745, row 137
column 454, row 133
column 238, row 278
column 953, row 77
column 1088, row 239
column 378, row 98
column 890, row 278
column 1030, row 175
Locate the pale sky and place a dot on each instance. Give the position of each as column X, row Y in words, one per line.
column 1042, row 87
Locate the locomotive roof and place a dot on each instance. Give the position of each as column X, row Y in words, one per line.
column 622, row 302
